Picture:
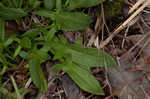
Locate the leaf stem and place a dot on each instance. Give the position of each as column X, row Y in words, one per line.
column 16, row 88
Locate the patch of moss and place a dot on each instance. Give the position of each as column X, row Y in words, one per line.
column 112, row 8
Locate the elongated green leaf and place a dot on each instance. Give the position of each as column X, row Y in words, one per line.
column 58, row 5
column 45, row 13
column 41, row 54
column 3, row 70
column 67, row 20
column 10, row 40
column 90, row 57
column 82, row 76
column 17, row 3
column 83, row 3
column 2, row 29
column 24, row 55
column 84, row 79
column 59, row 49
column 49, row 4
column 11, row 13
column 17, row 51
column 36, row 58
column 37, row 74
column 57, row 67
column 32, row 33
column 50, row 34
column 4, row 91
column 34, row 3
column 72, row 20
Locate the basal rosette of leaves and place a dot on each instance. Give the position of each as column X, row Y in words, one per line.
column 75, row 59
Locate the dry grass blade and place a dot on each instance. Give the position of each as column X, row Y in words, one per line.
column 139, row 40
column 28, row 83
column 122, row 26
column 135, row 6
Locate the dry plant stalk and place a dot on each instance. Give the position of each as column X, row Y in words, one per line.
column 122, row 26
column 139, row 2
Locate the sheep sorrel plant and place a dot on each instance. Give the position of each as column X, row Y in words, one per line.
column 44, row 21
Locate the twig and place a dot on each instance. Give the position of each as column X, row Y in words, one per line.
column 135, row 6
column 125, row 35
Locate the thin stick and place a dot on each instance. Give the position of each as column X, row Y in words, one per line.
column 104, row 43
column 135, row 6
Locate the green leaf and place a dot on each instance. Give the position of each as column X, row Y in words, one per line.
column 67, row 20
column 58, row 5
column 17, row 51
column 34, row 3
column 90, row 56
column 11, row 13
column 3, row 70
column 72, row 20
column 60, row 51
column 65, row 64
column 50, row 4
column 3, row 90
column 50, row 34
column 25, row 42
column 83, row 3
column 10, row 40
column 84, row 79
column 32, row 33
column 41, row 54
column 45, row 13
column 58, row 67
column 2, row 29
column 17, row 3
column 24, row 55
column 37, row 74
column 6, row 92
